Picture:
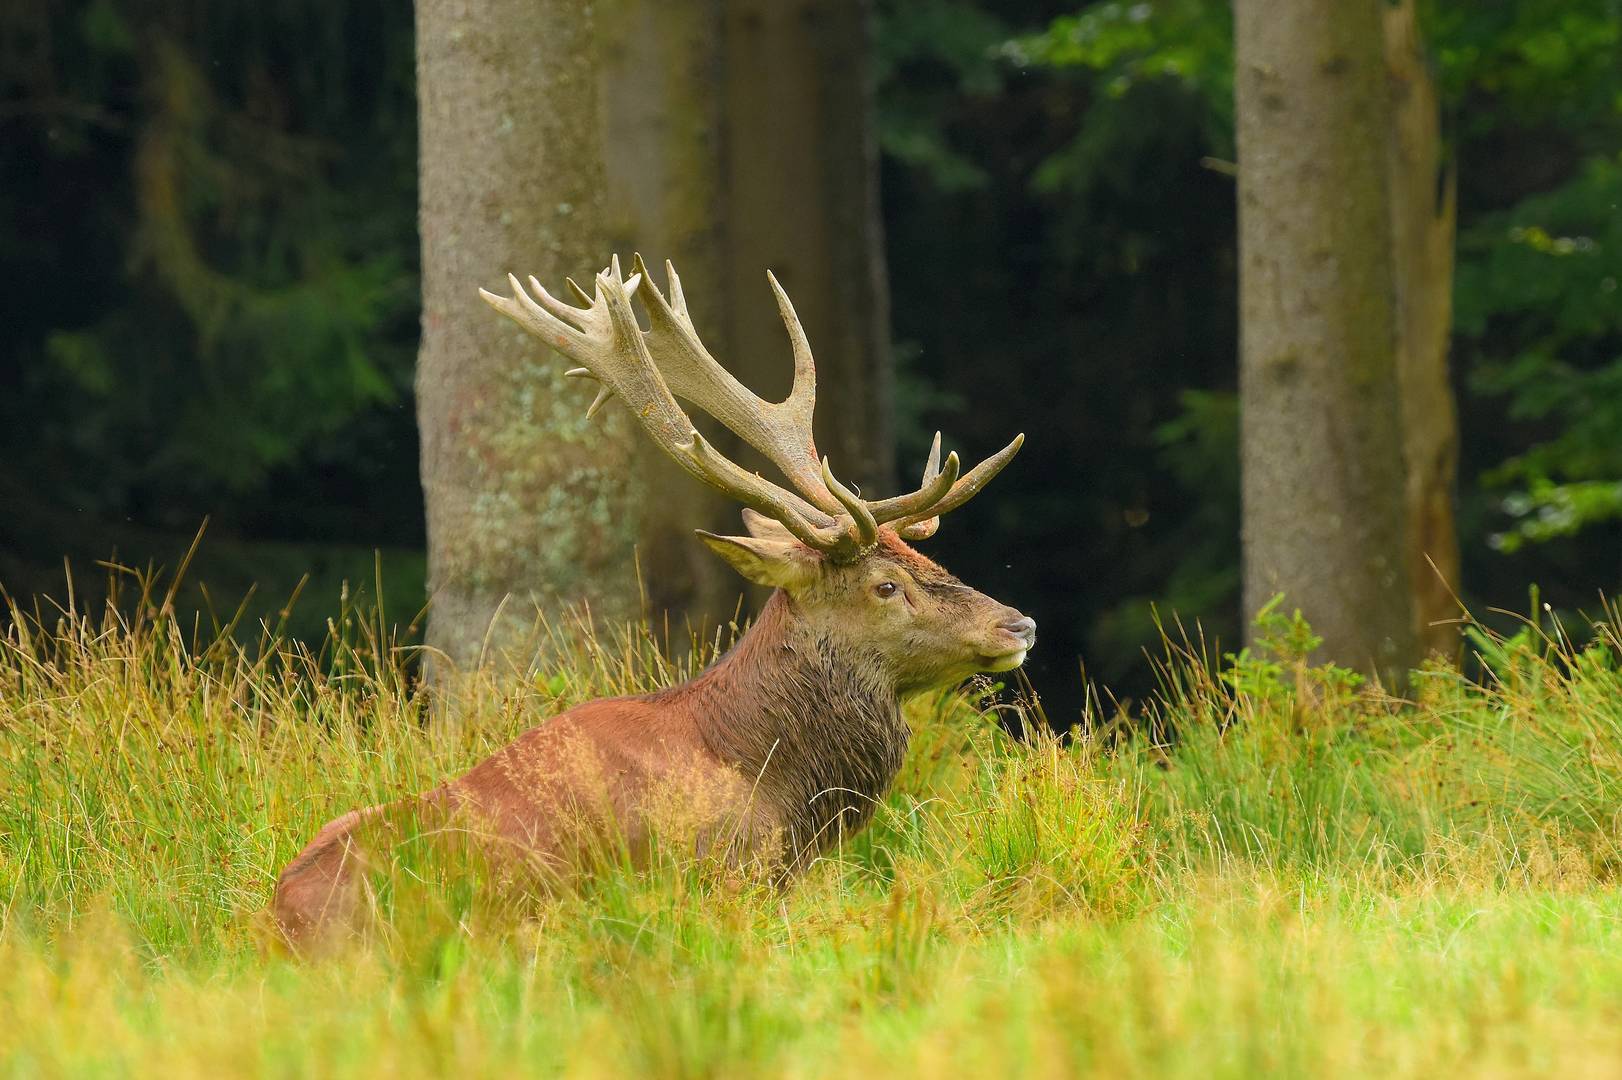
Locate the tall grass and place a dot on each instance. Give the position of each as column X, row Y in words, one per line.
column 1273, row 868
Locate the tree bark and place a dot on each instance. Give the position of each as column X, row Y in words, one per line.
column 663, row 67
column 528, row 504
column 1325, row 516
column 1422, row 234
column 802, row 193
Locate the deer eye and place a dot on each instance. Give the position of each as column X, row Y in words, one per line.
column 886, row 589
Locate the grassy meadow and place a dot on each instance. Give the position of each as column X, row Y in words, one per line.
column 1300, row 876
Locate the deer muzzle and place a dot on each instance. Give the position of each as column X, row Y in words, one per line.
column 1021, row 627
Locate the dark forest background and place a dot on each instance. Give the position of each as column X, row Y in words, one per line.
column 209, row 249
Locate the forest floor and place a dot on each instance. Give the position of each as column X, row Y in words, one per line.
column 1316, row 879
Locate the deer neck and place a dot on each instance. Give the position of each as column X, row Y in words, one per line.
column 816, row 726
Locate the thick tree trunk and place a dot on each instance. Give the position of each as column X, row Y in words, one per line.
column 730, row 137
column 528, row 504
column 1422, row 233
column 802, row 200
column 1325, row 517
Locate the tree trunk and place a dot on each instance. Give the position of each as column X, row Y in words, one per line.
column 1422, row 232
column 662, row 114
column 528, row 503
column 802, row 192
column 1325, row 519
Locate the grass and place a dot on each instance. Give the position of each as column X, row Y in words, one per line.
column 1305, row 877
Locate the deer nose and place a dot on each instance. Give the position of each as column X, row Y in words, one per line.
column 1024, row 627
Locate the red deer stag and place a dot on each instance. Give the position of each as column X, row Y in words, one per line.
column 787, row 742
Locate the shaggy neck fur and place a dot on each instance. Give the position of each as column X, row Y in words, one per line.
column 817, row 722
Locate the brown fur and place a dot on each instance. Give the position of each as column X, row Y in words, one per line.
column 780, row 748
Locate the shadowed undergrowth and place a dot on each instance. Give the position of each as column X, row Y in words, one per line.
column 1301, row 874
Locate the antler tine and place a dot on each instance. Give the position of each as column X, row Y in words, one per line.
column 605, row 339
column 867, row 530
column 932, row 464
column 802, row 396
column 678, row 299
column 922, row 525
column 937, row 481
column 579, row 294
column 551, row 304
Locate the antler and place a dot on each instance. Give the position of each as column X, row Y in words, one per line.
column 781, row 432
column 920, row 522
column 821, row 512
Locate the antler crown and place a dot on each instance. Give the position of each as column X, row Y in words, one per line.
column 650, row 369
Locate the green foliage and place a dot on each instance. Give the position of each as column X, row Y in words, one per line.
column 1158, row 77
column 1528, row 62
column 1186, row 41
column 1283, row 645
column 235, row 292
column 1538, row 309
column 927, row 51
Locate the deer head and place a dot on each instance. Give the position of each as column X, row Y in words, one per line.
column 843, row 561
column 901, row 611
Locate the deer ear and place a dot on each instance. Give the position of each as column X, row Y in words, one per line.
column 762, row 527
column 779, row 564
